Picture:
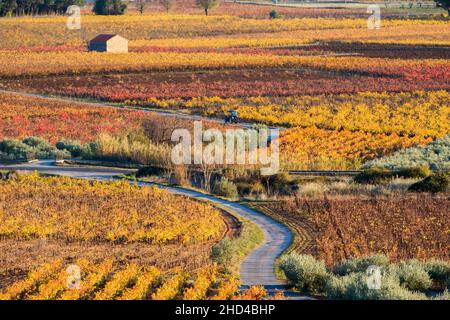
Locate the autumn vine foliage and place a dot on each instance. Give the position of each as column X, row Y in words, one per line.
column 313, row 148
column 22, row 116
column 400, row 226
column 77, row 210
column 345, row 97
column 107, row 280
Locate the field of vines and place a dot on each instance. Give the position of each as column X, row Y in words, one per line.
column 161, row 26
column 99, row 212
column 23, row 116
column 54, row 120
column 401, row 227
column 69, row 218
column 347, row 94
column 106, row 280
column 319, row 149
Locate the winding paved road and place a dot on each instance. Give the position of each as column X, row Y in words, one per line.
column 256, row 269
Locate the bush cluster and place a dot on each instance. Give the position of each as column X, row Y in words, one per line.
column 377, row 175
column 435, row 183
column 222, row 253
column 406, row 280
column 305, row 272
column 226, row 188
column 30, row 148
column 251, row 183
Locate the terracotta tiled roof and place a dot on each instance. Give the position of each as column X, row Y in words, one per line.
column 103, row 37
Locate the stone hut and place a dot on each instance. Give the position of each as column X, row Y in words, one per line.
column 109, row 43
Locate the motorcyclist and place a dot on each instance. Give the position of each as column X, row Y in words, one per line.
column 233, row 117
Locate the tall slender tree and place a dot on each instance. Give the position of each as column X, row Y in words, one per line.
column 167, row 4
column 208, row 4
column 140, row 5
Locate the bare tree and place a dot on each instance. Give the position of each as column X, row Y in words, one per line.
column 208, row 4
column 167, row 4
column 140, row 5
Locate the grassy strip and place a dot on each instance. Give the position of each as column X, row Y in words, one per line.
column 250, row 238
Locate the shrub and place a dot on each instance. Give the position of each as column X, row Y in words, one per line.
column 274, row 14
column 378, row 175
column 250, row 188
column 257, row 189
column 222, row 253
column 413, row 276
column 408, row 280
column 280, row 183
column 75, row 148
column 149, row 171
column 29, row 148
column 360, row 264
column 226, row 188
column 244, row 188
column 9, row 175
column 37, row 143
column 337, row 287
column 445, row 296
column 305, row 272
column 354, row 287
column 16, row 150
column 57, row 154
column 438, row 182
column 374, row 176
column 179, row 176
column 414, row 172
column 438, row 270
column 89, row 150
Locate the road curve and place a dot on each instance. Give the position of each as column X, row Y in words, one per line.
column 258, row 268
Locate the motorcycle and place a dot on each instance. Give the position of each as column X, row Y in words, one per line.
column 231, row 119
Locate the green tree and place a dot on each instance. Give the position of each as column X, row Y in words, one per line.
column 208, row 4
column 7, row 7
column 109, row 7
column 445, row 4
column 25, row 7
column 222, row 253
